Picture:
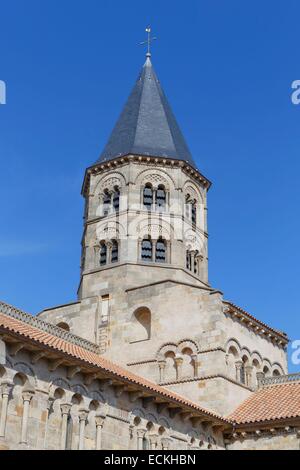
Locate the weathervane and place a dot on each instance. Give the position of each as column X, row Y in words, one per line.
column 148, row 42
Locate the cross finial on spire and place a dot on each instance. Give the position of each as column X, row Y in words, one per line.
column 148, row 42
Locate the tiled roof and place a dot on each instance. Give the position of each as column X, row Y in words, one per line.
column 274, row 402
column 91, row 359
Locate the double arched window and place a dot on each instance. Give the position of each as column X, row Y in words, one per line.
column 109, row 252
column 154, row 198
column 111, row 201
column 192, row 261
column 154, row 250
column 191, row 208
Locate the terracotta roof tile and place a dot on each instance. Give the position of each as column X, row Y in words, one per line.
column 34, row 334
column 270, row 403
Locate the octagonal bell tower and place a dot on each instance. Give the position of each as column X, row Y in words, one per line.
column 145, row 212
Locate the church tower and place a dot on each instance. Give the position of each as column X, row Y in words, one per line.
column 145, row 216
column 144, row 296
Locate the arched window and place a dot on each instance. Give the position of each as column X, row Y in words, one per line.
column 191, row 208
column 63, row 326
column 244, row 363
column 103, row 254
column 114, row 251
column 196, row 263
column 188, row 206
column 194, row 212
column 106, row 202
column 148, row 196
column 146, row 253
column 276, row 373
column 141, row 324
column 188, row 260
column 160, row 251
column 242, row 374
column 161, row 197
column 116, row 199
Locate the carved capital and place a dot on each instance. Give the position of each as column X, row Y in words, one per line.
column 141, row 432
column 161, row 364
column 99, row 419
column 6, row 387
column 83, row 414
column 65, row 408
column 153, row 439
column 27, row 395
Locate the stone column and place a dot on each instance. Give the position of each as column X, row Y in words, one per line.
column 165, row 442
column 5, row 391
column 178, row 362
column 153, row 241
column 140, row 437
column 162, row 366
column 153, row 438
column 196, row 364
column 108, row 251
column 83, row 414
column 238, row 368
column 168, row 251
column 259, row 377
column 27, row 396
column 99, row 420
column 65, row 411
column 49, row 407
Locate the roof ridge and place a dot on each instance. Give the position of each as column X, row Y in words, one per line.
column 15, row 325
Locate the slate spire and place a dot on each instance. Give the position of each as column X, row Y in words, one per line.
column 147, row 125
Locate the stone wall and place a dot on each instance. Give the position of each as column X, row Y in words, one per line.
column 287, row 438
column 54, row 409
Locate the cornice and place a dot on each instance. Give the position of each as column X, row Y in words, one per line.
column 160, row 161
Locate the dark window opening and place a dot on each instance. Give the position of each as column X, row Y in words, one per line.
column 188, row 260
column 146, row 250
column 161, row 197
column 116, row 200
column 194, row 212
column 114, row 252
column 196, row 264
column 160, row 253
column 242, row 376
column 103, row 254
column 106, row 203
column 148, row 197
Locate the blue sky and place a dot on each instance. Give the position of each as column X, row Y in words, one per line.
column 227, row 69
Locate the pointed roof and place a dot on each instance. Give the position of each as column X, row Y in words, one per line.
column 147, row 125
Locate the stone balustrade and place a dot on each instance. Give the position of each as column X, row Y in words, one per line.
column 278, row 379
column 54, row 330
